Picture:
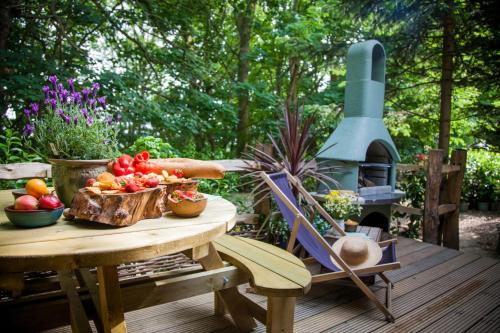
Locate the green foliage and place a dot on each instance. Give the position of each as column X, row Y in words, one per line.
column 156, row 147
column 413, row 184
column 13, row 150
column 482, row 177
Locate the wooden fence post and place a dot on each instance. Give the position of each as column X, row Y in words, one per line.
column 263, row 206
column 431, row 205
column 452, row 193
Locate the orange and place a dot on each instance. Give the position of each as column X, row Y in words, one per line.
column 36, row 188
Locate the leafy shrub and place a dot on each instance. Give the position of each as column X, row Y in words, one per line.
column 156, row 146
column 482, row 176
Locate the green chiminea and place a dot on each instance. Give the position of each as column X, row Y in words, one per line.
column 361, row 144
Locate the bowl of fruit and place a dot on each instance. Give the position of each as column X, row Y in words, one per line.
column 36, row 208
column 187, row 203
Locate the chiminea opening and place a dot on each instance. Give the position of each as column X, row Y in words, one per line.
column 375, row 170
column 378, row 63
column 376, row 219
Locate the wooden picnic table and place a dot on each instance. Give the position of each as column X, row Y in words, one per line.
column 75, row 245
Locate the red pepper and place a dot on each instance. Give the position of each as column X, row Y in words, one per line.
column 125, row 160
column 123, row 165
column 141, row 157
column 118, row 170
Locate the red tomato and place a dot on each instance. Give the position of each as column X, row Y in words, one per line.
column 151, row 182
column 90, row 182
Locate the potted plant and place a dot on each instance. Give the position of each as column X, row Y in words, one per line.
column 75, row 132
column 342, row 205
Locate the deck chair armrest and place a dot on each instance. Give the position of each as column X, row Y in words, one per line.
column 388, row 242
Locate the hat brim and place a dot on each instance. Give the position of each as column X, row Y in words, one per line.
column 373, row 258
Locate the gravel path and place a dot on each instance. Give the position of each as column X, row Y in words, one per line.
column 479, row 232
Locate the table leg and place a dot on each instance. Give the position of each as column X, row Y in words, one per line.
column 280, row 313
column 110, row 300
column 232, row 300
column 78, row 317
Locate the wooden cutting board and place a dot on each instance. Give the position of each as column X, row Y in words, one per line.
column 120, row 209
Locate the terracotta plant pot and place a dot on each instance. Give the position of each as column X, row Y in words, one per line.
column 187, row 208
column 71, row 175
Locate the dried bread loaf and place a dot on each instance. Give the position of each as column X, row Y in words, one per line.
column 192, row 168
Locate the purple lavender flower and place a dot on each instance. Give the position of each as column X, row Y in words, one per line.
column 109, row 120
column 60, row 87
column 75, row 120
column 89, row 121
column 46, row 91
column 85, row 93
column 77, row 98
column 53, row 80
column 66, row 118
column 102, row 101
column 59, row 112
column 92, row 103
column 118, row 117
column 64, row 94
column 95, row 87
column 85, row 113
column 34, row 108
column 27, row 113
column 53, row 103
column 71, row 83
column 28, row 129
column 52, row 94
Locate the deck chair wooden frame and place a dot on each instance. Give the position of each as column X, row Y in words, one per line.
column 346, row 271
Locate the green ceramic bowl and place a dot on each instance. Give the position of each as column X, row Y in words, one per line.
column 33, row 218
column 18, row 192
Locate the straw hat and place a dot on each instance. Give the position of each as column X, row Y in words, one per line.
column 357, row 252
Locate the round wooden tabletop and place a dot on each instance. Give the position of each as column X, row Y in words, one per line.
column 72, row 244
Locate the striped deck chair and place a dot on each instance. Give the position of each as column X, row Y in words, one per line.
column 318, row 248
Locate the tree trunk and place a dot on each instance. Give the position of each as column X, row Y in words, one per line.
column 291, row 98
column 447, row 78
column 244, row 18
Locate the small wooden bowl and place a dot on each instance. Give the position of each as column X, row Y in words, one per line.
column 187, row 208
column 33, row 218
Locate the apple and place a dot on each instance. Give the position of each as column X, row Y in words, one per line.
column 26, row 202
column 49, row 202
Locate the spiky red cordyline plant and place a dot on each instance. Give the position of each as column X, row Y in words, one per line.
column 292, row 149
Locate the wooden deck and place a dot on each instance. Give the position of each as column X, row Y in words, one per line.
column 436, row 290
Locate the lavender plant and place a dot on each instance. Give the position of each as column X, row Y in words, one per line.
column 75, row 125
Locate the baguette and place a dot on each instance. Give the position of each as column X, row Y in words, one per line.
column 192, row 168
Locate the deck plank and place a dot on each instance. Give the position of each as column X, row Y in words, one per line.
column 489, row 323
column 437, row 289
column 459, row 316
column 420, row 289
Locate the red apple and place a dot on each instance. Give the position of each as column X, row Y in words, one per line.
column 49, row 202
column 26, row 202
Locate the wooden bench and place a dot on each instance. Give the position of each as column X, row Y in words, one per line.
column 271, row 272
column 274, row 273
